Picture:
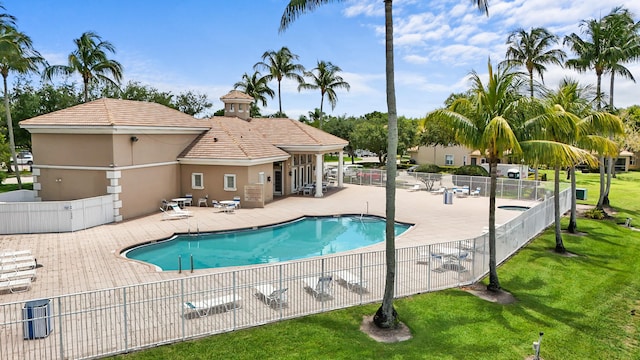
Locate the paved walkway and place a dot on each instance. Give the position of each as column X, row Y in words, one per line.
column 90, row 260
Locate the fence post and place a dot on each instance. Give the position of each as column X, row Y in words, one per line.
column 126, row 330
column 60, row 327
column 361, row 275
column 184, row 332
column 235, row 307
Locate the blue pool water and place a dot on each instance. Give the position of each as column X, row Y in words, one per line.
column 302, row 238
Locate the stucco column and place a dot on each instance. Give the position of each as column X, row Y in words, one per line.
column 340, row 168
column 319, row 166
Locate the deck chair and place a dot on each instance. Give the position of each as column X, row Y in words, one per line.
column 439, row 191
column 237, row 200
column 476, row 192
column 222, row 303
column 8, row 252
column 415, row 187
column 171, row 214
column 188, row 200
column 22, row 274
column 272, row 296
column 15, row 259
column 18, row 266
column 17, row 285
column 319, row 287
column 351, row 281
column 204, row 201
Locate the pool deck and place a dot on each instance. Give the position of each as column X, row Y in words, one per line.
column 89, row 259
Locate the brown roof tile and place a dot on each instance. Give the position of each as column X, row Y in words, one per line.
column 231, row 138
column 116, row 112
column 288, row 132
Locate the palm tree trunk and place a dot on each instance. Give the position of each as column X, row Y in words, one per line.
column 531, row 83
column 279, row 100
column 321, row 113
column 600, row 203
column 386, row 317
column 12, row 142
column 556, row 210
column 494, row 283
column 573, row 225
column 86, row 89
column 605, row 198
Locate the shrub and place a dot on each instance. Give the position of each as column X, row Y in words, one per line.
column 594, row 213
column 471, row 170
column 429, row 168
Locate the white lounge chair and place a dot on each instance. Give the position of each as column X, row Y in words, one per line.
column 17, row 285
column 271, row 295
column 203, row 307
column 14, row 259
column 439, row 191
column 351, row 281
column 22, row 274
column 17, row 266
column 415, row 187
column 170, row 214
column 319, row 287
column 7, row 253
column 476, row 192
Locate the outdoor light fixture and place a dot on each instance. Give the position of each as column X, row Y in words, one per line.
column 134, row 139
column 268, row 178
column 289, row 172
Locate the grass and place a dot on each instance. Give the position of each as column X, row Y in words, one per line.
column 583, row 305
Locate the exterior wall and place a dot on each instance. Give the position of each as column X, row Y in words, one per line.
column 144, row 188
column 72, row 149
column 63, row 184
column 213, row 181
column 436, row 155
column 149, row 148
column 634, row 162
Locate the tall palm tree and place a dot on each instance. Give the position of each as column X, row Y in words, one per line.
column 325, row 77
column 280, row 65
column 485, row 120
column 256, row 86
column 623, row 35
column 531, row 50
column 16, row 55
column 386, row 316
column 90, row 60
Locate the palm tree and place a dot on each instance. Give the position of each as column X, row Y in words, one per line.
column 531, row 51
column 485, row 120
column 255, row 86
column 386, row 316
column 280, row 65
column 624, row 46
column 90, row 60
column 324, row 77
column 16, row 55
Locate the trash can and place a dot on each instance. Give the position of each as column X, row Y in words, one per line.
column 448, row 197
column 581, row 193
column 36, row 319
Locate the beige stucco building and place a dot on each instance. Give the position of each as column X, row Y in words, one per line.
column 446, row 155
column 143, row 152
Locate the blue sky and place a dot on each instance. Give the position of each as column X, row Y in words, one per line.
column 207, row 45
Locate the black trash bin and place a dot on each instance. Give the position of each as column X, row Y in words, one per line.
column 36, row 318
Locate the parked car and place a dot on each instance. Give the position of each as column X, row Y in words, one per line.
column 24, row 158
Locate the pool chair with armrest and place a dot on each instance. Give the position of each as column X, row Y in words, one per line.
column 203, row 201
column 17, row 266
column 19, row 274
column 217, row 304
column 237, row 201
column 7, row 253
column 351, row 281
column 15, row 259
column 188, row 200
column 172, row 214
column 272, row 296
column 16, row 285
column 439, row 191
column 476, row 192
column 319, row 287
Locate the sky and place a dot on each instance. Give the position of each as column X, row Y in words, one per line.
column 207, row 46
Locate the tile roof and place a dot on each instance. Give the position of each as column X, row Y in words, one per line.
column 116, row 112
column 288, row 132
column 235, row 94
column 231, row 138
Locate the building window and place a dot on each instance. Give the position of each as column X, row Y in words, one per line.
column 197, row 181
column 231, row 107
column 239, row 107
column 261, row 177
column 448, row 160
column 230, row 182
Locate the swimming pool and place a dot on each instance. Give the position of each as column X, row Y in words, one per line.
column 302, row 238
